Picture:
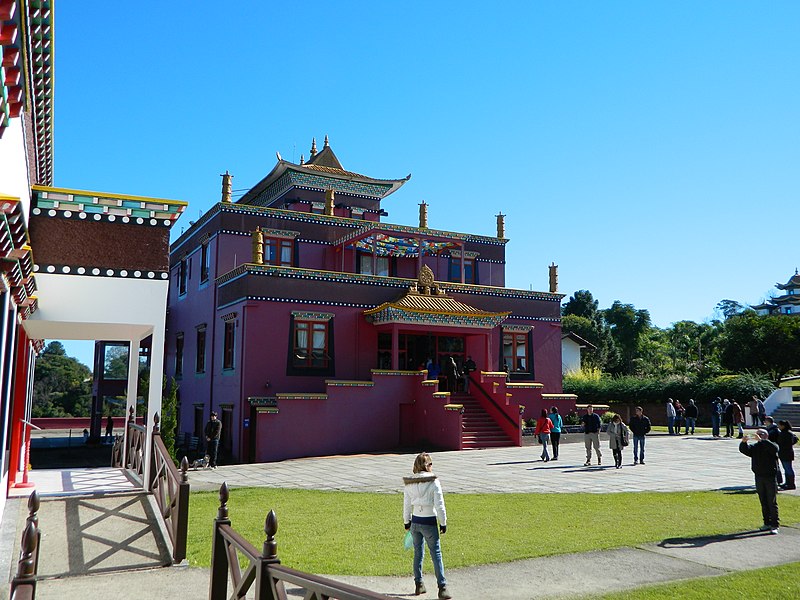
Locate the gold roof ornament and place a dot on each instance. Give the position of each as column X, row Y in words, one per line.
column 553, row 278
column 226, row 186
column 302, row 159
column 329, row 198
column 313, row 151
column 423, row 215
column 501, row 226
column 326, row 144
column 258, row 246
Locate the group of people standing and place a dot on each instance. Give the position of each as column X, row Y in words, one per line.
column 723, row 412
column 678, row 414
column 451, row 372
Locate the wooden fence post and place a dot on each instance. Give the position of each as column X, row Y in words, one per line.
column 182, row 517
column 26, row 566
column 265, row 590
column 218, row 585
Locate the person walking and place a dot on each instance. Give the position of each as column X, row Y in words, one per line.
column 786, row 440
column 691, row 413
column 618, row 436
column 591, row 434
column 640, row 427
column 727, row 418
column 752, row 408
column 469, row 367
column 716, row 416
column 109, row 429
column 671, row 416
column 764, row 464
column 679, row 410
column 543, row 427
column 762, row 410
column 738, row 418
column 423, row 504
column 451, row 372
column 555, row 430
column 213, row 432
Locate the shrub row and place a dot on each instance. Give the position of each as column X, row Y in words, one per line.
column 637, row 390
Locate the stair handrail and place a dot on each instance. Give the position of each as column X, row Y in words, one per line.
column 494, row 402
column 23, row 585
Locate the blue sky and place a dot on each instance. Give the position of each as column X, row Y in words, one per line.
column 650, row 149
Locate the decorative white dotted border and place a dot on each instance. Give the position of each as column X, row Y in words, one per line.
column 101, row 272
column 83, row 216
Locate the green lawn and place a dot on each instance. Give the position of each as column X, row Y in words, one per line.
column 361, row 534
column 773, row 583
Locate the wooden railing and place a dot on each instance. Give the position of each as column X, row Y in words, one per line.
column 134, row 446
column 23, row 585
column 263, row 573
column 171, row 490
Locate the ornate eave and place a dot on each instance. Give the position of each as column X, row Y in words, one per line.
column 425, row 304
column 793, row 283
column 16, row 257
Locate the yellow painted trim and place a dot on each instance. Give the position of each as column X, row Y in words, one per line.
column 453, row 406
column 5, row 198
column 393, row 372
column 441, row 394
column 532, row 385
column 564, row 396
column 303, row 396
column 426, row 311
column 494, row 373
column 44, row 188
column 348, row 382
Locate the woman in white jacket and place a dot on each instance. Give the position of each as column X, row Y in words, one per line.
column 423, row 503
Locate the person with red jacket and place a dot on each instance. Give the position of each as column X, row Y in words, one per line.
column 543, row 427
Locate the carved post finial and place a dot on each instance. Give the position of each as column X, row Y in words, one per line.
column 553, row 278
column 258, row 246
column 184, row 470
column 329, row 198
column 423, row 215
column 313, row 151
column 224, row 494
column 226, row 186
column 156, row 421
column 131, row 414
column 501, row 226
column 270, row 550
column 26, row 566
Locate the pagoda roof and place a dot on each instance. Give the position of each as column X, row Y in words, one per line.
column 323, row 171
column 787, row 299
column 425, row 304
column 793, row 283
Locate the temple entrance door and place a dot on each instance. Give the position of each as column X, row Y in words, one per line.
column 420, row 348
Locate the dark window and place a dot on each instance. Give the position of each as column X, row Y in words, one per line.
column 200, row 362
column 204, row 263
column 199, row 423
column 227, row 350
column 183, row 276
column 225, row 438
column 469, row 270
column 515, row 352
column 311, row 344
column 179, row 355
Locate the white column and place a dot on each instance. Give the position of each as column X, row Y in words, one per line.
column 154, row 397
column 133, row 380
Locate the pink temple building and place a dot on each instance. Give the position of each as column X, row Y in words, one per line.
column 310, row 325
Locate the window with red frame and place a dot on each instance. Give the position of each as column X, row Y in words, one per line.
column 279, row 251
column 310, row 344
column 516, row 352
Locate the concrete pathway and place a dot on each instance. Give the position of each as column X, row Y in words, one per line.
column 673, row 464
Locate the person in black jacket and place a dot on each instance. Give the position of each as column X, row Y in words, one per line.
column 640, row 427
column 764, row 464
column 213, row 431
column 786, row 440
column 691, row 413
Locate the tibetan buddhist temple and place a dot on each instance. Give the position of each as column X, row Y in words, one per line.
column 313, row 327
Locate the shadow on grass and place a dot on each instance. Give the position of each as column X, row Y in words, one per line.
column 740, row 489
column 701, row 542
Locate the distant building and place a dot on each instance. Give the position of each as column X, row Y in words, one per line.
column 571, row 346
column 309, row 325
column 786, row 304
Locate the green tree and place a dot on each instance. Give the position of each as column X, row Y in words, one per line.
column 764, row 343
column 581, row 304
column 628, row 329
column 728, row 308
column 596, row 333
column 62, row 386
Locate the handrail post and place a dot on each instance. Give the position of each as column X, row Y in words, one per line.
column 26, row 566
column 269, row 556
column 182, row 517
column 126, row 456
column 33, row 517
column 156, row 433
column 218, row 584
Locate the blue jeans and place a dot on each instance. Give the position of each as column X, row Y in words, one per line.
column 638, row 448
column 690, row 424
column 671, row 425
column 715, row 425
column 430, row 534
column 544, row 438
column 788, row 469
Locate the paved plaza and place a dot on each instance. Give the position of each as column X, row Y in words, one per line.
column 673, row 463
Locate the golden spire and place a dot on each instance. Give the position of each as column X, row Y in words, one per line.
column 258, row 246
column 302, row 159
column 553, row 278
column 326, row 141
column 501, row 226
column 226, row 186
column 313, row 147
column 329, row 198
column 423, row 215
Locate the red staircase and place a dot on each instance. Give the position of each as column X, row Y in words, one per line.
column 480, row 429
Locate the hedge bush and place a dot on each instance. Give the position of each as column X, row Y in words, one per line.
column 638, row 390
